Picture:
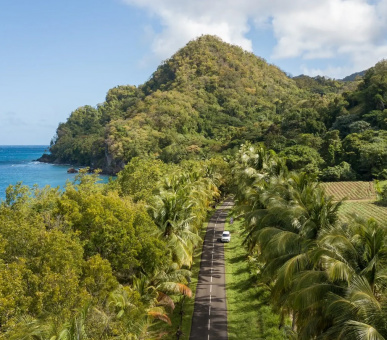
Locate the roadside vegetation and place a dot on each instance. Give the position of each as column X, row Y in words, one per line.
column 249, row 313
column 181, row 319
column 104, row 261
column 325, row 275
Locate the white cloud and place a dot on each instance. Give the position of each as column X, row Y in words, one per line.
column 352, row 30
column 186, row 20
column 339, row 70
column 164, row 44
column 326, row 29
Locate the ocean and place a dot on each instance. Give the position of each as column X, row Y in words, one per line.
column 18, row 164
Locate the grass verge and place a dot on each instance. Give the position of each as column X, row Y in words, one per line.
column 249, row 315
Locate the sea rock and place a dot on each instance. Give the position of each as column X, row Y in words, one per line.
column 46, row 158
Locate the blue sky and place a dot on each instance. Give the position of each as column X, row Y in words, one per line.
column 59, row 55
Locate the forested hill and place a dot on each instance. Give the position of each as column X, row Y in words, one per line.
column 210, row 97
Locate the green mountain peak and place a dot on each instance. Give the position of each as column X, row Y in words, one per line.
column 209, row 98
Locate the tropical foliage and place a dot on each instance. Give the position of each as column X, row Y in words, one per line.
column 108, row 261
column 92, row 262
column 326, row 276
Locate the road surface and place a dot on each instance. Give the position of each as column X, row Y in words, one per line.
column 209, row 321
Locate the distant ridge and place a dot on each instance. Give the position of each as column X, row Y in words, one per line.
column 353, row 76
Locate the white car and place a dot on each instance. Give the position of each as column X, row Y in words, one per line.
column 226, row 237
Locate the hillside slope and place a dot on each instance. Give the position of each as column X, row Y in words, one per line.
column 208, row 97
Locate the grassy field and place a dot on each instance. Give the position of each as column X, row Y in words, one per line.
column 249, row 315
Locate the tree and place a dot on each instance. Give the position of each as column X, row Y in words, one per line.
column 302, row 158
column 356, row 255
column 341, row 172
column 331, row 149
column 139, row 178
column 119, row 230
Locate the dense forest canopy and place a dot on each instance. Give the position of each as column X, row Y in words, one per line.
column 210, row 97
column 102, row 261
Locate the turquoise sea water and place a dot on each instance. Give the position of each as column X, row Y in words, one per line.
column 18, row 164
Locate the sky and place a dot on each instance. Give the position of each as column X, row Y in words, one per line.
column 56, row 56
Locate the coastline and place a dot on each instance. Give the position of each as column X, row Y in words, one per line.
column 49, row 159
column 20, row 164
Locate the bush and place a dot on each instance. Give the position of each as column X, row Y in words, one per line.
column 302, row 158
column 341, row 172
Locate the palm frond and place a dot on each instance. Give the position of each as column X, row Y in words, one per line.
column 362, row 331
column 159, row 313
column 175, row 288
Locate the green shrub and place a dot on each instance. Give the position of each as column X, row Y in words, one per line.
column 341, row 172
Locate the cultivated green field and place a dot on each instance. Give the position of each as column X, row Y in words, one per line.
column 364, row 209
column 350, row 190
column 360, row 200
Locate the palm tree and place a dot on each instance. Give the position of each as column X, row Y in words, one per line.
column 344, row 296
column 156, row 293
column 253, row 167
column 354, row 256
column 179, row 209
column 329, row 277
column 171, row 213
column 284, row 229
column 358, row 314
column 29, row 328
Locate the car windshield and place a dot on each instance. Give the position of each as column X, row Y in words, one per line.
column 226, row 233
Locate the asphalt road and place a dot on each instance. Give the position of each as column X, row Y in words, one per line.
column 209, row 319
